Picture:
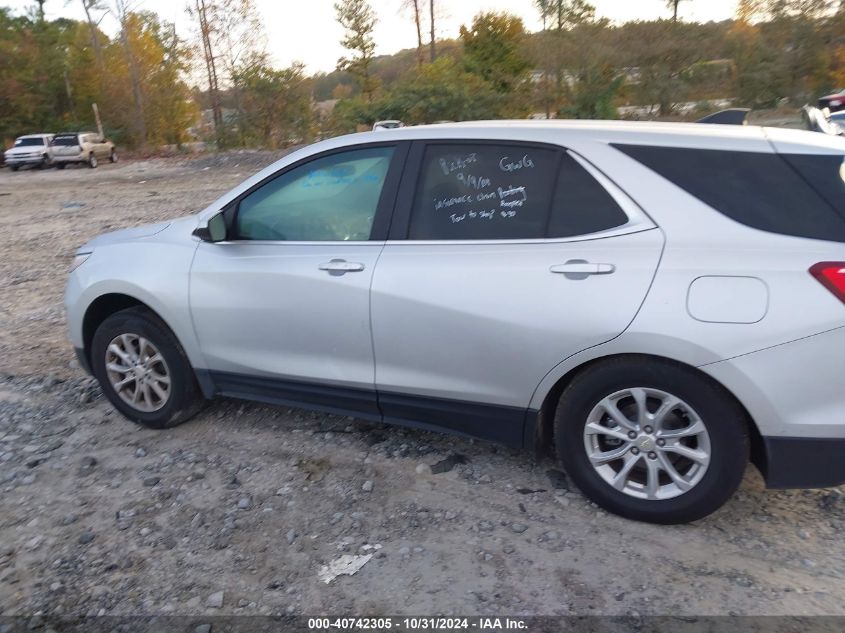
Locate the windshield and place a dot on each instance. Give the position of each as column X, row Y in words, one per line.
column 66, row 140
column 26, row 142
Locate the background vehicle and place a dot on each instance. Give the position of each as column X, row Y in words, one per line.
column 32, row 149
column 816, row 120
column 547, row 285
column 83, row 147
column 833, row 102
column 387, row 125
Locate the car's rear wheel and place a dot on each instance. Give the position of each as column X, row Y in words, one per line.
column 92, row 160
column 60, row 165
column 14, row 167
column 113, row 156
column 143, row 371
column 651, row 440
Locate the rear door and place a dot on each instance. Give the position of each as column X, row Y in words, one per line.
column 503, row 260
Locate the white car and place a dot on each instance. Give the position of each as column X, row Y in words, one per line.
column 657, row 304
column 32, row 149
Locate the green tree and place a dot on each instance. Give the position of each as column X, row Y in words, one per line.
column 439, row 91
column 493, row 50
column 275, row 104
column 358, row 19
column 560, row 18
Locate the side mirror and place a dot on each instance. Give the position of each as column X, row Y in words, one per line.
column 214, row 230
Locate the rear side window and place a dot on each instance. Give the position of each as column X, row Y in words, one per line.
column 483, row 192
column 581, row 205
column 756, row 189
column 68, row 140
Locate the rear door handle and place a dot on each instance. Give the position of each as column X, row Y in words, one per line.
column 581, row 269
column 341, row 267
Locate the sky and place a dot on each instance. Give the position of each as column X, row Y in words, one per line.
column 306, row 30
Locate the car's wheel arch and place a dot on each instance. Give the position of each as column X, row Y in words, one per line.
column 539, row 435
column 110, row 303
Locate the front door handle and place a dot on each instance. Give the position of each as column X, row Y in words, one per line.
column 341, row 267
column 581, row 269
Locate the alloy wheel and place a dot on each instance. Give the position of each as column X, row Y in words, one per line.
column 138, row 372
column 647, row 443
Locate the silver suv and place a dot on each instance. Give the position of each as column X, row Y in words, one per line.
column 83, row 147
column 656, row 304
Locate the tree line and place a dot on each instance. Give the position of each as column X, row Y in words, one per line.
column 583, row 66
column 216, row 83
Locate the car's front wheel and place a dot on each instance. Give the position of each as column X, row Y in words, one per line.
column 651, row 440
column 143, row 370
column 113, row 156
column 60, row 165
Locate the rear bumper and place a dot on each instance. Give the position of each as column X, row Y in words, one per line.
column 76, row 158
column 797, row 462
column 793, row 390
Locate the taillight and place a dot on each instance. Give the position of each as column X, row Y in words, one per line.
column 832, row 276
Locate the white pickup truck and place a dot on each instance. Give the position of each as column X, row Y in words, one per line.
column 32, row 149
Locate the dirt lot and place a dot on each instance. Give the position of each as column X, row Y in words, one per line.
column 98, row 516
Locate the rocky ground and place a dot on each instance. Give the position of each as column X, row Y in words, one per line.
column 239, row 510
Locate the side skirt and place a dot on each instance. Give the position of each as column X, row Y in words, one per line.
column 495, row 423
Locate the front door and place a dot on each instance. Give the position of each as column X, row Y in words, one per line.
column 512, row 258
column 282, row 308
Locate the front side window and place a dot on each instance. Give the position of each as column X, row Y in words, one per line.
column 333, row 198
column 483, row 192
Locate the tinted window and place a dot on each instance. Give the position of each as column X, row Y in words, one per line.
column 482, row 192
column 68, row 140
column 328, row 199
column 825, row 173
column 581, row 205
column 28, row 142
column 759, row 190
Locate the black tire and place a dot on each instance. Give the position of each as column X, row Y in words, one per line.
column 185, row 398
column 724, row 419
column 92, row 161
column 14, row 167
column 60, row 165
column 113, row 156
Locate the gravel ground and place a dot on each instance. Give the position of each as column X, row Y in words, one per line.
column 237, row 511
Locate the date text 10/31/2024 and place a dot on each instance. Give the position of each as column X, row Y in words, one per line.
column 476, row 623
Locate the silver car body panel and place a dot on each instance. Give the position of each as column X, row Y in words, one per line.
column 506, row 332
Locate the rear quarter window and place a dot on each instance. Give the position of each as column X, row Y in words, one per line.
column 760, row 190
column 825, row 173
